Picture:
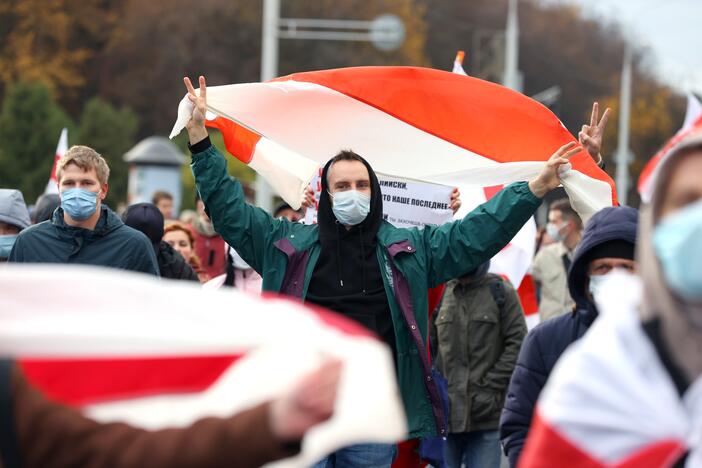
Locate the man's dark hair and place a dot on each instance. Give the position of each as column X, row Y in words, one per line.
column 161, row 195
column 344, row 155
column 567, row 211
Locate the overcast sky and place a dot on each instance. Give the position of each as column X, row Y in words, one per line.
column 672, row 29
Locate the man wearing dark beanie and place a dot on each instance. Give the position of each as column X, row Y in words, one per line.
column 147, row 218
column 607, row 244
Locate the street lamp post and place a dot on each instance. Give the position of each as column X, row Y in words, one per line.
column 386, row 32
column 623, row 151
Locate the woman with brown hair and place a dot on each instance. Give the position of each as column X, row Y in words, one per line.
column 181, row 239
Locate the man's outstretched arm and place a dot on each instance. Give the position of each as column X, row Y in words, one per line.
column 246, row 228
column 459, row 247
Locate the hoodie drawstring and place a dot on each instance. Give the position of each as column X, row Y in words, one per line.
column 363, row 261
column 338, row 255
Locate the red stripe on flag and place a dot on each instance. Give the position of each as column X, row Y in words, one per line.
column 492, row 191
column 239, row 141
column 546, row 447
column 473, row 113
column 81, row 381
column 527, row 295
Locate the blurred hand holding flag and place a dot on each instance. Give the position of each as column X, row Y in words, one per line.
column 119, row 351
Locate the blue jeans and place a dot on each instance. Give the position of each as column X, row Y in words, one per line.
column 477, row 449
column 360, row 455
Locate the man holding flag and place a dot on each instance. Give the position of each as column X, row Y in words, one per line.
column 360, row 266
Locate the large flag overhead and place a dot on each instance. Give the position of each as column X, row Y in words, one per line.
column 692, row 124
column 156, row 353
column 408, row 122
column 61, row 148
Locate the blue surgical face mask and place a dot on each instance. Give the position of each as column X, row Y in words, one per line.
column 554, row 232
column 6, row 243
column 350, row 207
column 78, row 203
column 677, row 240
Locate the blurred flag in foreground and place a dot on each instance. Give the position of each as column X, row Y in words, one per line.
column 155, row 353
column 610, row 402
column 408, row 122
column 692, row 124
column 61, row 148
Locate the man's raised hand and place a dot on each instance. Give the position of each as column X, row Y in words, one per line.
column 196, row 124
column 591, row 135
column 549, row 178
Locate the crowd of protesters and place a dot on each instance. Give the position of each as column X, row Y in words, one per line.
column 358, row 265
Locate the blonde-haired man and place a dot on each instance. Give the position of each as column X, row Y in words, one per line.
column 83, row 229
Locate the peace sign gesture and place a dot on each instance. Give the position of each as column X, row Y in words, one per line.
column 196, row 124
column 591, row 135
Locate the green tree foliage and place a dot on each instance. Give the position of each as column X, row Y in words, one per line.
column 236, row 168
column 111, row 132
column 30, row 125
column 56, row 43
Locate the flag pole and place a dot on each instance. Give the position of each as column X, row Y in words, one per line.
column 623, row 152
column 269, row 70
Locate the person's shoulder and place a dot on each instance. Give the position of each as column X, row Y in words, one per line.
column 36, row 230
column 131, row 235
column 554, row 325
column 555, row 249
column 554, row 335
column 493, row 278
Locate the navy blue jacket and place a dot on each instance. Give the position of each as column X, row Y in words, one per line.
column 112, row 244
column 545, row 343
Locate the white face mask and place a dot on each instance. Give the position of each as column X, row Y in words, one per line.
column 554, row 232
column 596, row 281
column 350, row 207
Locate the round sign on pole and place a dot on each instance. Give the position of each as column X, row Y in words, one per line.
column 387, row 32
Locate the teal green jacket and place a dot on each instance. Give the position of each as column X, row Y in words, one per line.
column 412, row 261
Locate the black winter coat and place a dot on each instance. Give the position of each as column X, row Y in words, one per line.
column 172, row 265
column 111, row 244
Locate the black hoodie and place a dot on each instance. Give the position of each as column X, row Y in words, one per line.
column 347, row 277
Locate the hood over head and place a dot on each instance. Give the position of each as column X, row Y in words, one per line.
column 681, row 322
column 329, row 227
column 13, row 210
column 610, row 230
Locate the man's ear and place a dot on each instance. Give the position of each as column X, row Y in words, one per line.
column 103, row 190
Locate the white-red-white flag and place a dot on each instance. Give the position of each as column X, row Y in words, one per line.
column 154, row 353
column 61, row 148
column 408, row 122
